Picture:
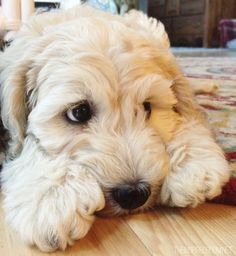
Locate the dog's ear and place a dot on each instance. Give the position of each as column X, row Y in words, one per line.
column 18, row 74
column 13, row 98
column 150, row 27
column 17, row 81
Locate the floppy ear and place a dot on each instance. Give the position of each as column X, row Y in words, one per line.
column 17, row 79
column 18, row 74
column 13, row 99
column 150, row 27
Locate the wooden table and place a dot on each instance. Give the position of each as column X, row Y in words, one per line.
column 207, row 230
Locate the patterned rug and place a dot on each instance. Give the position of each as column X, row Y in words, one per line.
column 220, row 107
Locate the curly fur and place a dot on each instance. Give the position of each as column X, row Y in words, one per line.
column 58, row 175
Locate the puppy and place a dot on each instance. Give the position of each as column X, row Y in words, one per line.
column 101, row 120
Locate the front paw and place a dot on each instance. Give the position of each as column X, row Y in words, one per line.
column 57, row 219
column 54, row 210
column 54, row 219
column 193, row 181
column 50, row 232
column 198, row 167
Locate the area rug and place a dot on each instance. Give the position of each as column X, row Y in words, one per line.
column 220, row 107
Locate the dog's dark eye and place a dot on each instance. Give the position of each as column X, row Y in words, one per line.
column 80, row 113
column 147, row 108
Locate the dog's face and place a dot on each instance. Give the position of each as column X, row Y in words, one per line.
column 104, row 96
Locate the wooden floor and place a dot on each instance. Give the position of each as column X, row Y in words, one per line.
column 207, row 230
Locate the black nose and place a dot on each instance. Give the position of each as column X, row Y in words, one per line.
column 131, row 196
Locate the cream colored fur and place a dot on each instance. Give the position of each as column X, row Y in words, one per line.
column 58, row 175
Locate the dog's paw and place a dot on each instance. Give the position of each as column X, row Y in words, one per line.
column 57, row 219
column 182, row 191
column 57, row 233
column 62, row 216
column 193, row 181
column 55, row 209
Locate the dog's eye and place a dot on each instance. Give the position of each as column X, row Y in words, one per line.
column 148, row 108
column 80, row 113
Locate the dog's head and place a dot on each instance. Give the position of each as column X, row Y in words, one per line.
column 102, row 91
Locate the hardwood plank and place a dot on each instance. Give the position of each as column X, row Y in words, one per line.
column 111, row 236
column 207, row 230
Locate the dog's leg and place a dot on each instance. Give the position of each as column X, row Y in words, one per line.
column 198, row 167
column 50, row 202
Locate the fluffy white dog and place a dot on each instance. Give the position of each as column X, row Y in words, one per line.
column 101, row 119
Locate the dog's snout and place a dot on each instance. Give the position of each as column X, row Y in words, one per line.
column 131, row 196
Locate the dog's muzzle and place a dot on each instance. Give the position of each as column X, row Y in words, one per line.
column 131, row 196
